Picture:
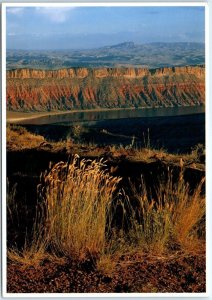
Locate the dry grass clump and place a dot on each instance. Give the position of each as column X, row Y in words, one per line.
column 106, row 264
column 28, row 256
column 34, row 248
column 198, row 153
column 18, row 138
column 76, row 213
column 186, row 208
column 169, row 221
column 147, row 154
column 150, row 154
column 78, row 197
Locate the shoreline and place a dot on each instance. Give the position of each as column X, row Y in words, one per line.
column 16, row 117
column 34, row 115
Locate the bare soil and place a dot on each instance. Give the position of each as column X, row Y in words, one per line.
column 180, row 273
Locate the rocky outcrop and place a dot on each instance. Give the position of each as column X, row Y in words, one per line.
column 80, row 88
column 103, row 72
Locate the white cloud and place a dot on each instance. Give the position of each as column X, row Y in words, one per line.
column 15, row 10
column 55, row 14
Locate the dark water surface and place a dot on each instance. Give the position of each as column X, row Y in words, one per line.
column 95, row 116
column 176, row 129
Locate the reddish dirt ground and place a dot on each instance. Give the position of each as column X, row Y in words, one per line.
column 180, row 273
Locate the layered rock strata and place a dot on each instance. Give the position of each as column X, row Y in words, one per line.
column 85, row 88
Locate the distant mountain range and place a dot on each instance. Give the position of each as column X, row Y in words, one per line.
column 127, row 54
column 121, row 46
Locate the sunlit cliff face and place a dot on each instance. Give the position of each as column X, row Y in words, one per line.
column 80, row 88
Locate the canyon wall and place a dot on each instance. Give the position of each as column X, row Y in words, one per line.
column 85, row 88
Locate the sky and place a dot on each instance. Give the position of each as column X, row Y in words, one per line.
column 54, row 28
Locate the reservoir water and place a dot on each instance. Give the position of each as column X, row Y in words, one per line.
column 95, row 116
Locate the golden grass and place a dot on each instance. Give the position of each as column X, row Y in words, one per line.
column 31, row 256
column 19, row 138
column 78, row 200
column 106, row 264
column 148, row 155
column 75, row 219
column 171, row 220
column 33, row 251
column 187, row 212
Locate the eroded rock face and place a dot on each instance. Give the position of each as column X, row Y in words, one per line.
column 80, row 88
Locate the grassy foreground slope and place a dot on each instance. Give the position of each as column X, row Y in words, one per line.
column 98, row 225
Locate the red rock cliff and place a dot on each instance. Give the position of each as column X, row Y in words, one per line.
column 80, row 88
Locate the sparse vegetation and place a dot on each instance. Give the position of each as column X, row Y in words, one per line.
column 80, row 201
column 18, row 138
column 198, row 153
column 77, row 132
column 169, row 221
column 78, row 198
column 106, row 264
